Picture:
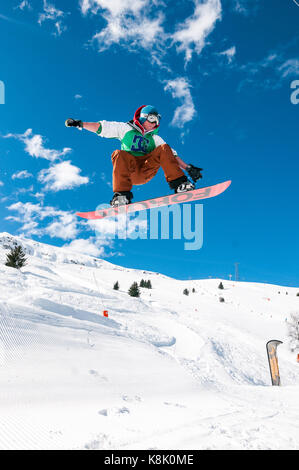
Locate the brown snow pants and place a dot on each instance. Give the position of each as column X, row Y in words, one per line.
column 129, row 170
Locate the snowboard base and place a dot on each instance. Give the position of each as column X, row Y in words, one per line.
column 189, row 196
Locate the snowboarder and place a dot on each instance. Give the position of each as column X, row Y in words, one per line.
column 141, row 155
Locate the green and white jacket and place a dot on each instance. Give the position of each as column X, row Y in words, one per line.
column 131, row 137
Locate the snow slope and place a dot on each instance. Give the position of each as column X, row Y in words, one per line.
column 163, row 371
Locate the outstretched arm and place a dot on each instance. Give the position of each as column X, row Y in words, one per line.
column 89, row 126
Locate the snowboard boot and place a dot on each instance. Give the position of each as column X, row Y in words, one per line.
column 121, row 198
column 181, row 184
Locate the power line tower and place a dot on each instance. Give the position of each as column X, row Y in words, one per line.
column 237, row 271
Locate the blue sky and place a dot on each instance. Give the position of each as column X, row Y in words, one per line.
column 220, row 73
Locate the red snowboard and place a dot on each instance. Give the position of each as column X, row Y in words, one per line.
column 196, row 194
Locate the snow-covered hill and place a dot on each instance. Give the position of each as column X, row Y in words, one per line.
column 164, row 370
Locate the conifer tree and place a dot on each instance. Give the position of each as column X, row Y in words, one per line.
column 220, row 286
column 116, row 286
column 16, row 258
column 186, row 292
column 142, row 283
column 293, row 330
column 134, row 290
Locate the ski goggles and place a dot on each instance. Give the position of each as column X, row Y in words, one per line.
column 151, row 117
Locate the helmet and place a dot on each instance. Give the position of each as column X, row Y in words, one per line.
column 149, row 113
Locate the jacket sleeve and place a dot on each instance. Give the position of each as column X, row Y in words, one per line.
column 112, row 129
column 159, row 141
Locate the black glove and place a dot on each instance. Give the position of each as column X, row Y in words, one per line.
column 194, row 172
column 74, row 123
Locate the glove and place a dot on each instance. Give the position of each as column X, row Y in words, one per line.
column 194, row 172
column 74, row 123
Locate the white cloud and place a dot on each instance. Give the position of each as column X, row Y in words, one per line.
column 289, row 67
column 39, row 220
column 130, row 23
column 24, row 190
column 24, row 4
column 270, row 72
column 64, row 228
column 137, row 24
column 114, row 7
column 39, row 195
column 22, row 175
column 191, row 35
column 246, row 7
column 78, row 97
column 34, row 145
column 229, row 53
column 27, row 211
column 61, row 176
column 180, row 89
column 31, row 228
column 52, row 13
column 63, row 225
column 59, row 28
column 1, row 183
column 240, row 7
column 86, row 246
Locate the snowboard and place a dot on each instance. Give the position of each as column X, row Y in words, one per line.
column 189, row 196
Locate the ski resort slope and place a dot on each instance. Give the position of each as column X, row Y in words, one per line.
column 163, row 371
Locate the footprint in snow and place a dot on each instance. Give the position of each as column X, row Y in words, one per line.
column 114, row 411
column 174, row 404
column 96, row 374
column 131, row 399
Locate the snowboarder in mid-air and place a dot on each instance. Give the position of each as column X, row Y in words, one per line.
column 141, row 155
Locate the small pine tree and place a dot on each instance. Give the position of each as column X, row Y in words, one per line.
column 297, row 294
column 16, row 258
column 193, row 290
column 116, row 286
column 220, row 286
column 293, row 331
column 148, row 284
column 221, row 299
column 134, row 290
column 142, row 283
column 186, row 292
